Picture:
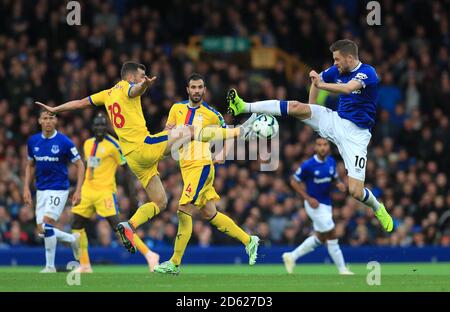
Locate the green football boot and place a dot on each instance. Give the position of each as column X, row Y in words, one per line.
column 385, row 219
column 252, row 249
column 167, row 267
column 236, row 105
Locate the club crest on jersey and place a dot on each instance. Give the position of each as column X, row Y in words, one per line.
column 200, row 117
column 55, row 149
column 36, row 149
column 331, row 170
column 317, row 172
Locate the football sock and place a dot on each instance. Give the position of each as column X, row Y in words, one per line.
column 224, row 224
column 143, row 214
column 370, row 200
column 84, row 254
column 63, row 236
column 183, row 235
column 140, row 245
column 50, row 245
column 271, row 107
column 336, row 254
column 306, row 247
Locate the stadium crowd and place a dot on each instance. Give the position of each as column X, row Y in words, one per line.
column 42, row 58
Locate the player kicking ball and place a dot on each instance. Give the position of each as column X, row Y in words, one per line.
column 318, row 174
column 142, row 150
column 348, row 128
column 48, row 155
column 103, row 156
column 197, row 170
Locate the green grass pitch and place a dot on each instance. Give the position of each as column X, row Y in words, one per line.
column 234, row 278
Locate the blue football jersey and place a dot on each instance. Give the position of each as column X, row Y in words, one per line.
column 51, row 156
column 359, row 106
column 318, row 176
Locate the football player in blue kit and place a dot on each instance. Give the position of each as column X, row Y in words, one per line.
column 348, row 128
column 319, row 175
column 49, row 153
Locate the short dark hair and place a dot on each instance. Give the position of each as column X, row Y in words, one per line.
column 100, row 119
column 43, row 110
column 194, row 76
column 130, row 67
column 346, row 47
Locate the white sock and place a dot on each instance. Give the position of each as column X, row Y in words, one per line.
column 271, row 107
column 336, row 254
column 50, row 245
column 306, row 247
column 370, row 200
column 64, row 237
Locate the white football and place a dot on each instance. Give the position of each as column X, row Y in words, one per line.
column 265, row 126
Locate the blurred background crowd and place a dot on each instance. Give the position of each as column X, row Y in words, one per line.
column 42, row 58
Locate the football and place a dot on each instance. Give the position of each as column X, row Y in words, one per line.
column 265, row 126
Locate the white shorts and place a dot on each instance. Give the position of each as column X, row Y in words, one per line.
column 322, row 217
column 350, row 139
column 50, row 203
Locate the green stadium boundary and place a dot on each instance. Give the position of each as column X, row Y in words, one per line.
column 228, row 255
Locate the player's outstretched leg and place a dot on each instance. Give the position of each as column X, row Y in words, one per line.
column 289, row 258
column 227, row 226
column 151, row 257
column 364, row 195
column 238, row 106
column 144, row 213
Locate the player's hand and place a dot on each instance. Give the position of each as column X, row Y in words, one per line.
column 341, row 187
column 76, row 198
column 315, row 78
column 314, row 203
column 46, row 107
column 27, row 197
column 149, row 81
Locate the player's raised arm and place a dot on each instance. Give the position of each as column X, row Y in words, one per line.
column 139, row 88
column 68, row 106
column 313, row 93
column 345, row 88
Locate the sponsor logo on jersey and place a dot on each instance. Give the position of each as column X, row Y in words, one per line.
column 55, row 149
column 322, row 180
column 46, row 158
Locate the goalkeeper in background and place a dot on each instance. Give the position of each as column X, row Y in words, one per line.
column 103, row 155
